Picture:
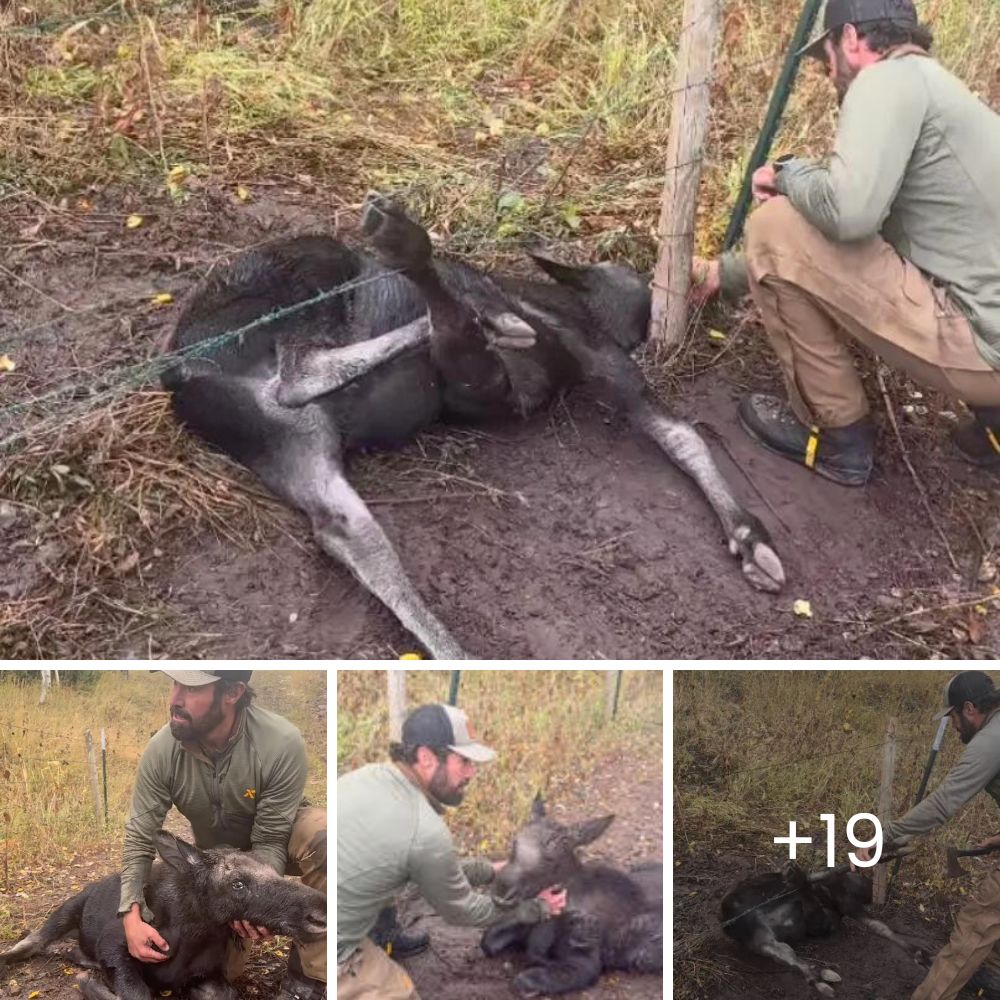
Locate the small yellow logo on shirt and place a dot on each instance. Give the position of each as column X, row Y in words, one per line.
column 250, row 793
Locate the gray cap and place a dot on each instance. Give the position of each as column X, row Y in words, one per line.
column 199, row 678
column 445, row 726
column 840, row 12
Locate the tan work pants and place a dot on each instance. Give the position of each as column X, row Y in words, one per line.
column 369, row 974
column 814, row 294
column 307, row 858
column 974, row 941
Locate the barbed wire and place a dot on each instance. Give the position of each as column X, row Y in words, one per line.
column 120, row 380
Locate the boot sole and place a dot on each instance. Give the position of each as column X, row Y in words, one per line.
column 841, row 477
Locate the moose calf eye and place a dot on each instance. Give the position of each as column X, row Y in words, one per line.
column 237, row 885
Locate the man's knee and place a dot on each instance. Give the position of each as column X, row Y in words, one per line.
column 307, row 846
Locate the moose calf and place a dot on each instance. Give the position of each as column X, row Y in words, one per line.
column 193, row 896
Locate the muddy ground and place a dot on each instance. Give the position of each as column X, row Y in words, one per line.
column 51, row 976
column 454, row 967
column 709, row 966
column 560, row 536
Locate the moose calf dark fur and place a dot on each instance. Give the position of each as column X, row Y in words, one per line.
column 613, row 919
column 769, row 912
column 193, row 896
column 411, row 340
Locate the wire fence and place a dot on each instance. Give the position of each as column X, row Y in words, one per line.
column 71, row 399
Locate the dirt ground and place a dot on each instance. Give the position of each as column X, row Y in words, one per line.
column 51, row 976
column 454, row 967
column 562, row 536
column 709, row 966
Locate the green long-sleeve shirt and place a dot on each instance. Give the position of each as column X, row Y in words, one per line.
column 246, row 797
column 977, row 770
column 916, row 160
column 388, row 834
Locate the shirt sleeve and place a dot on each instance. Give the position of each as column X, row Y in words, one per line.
column 151, row 801
column 734, row 282
column 277, row 805
column 973, row 772
column 849, row 197
column 438, row 875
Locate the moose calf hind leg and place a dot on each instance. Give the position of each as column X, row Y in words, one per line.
column 781, row 952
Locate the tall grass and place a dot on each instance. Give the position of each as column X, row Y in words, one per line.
column 47, row 816
column 754, row 749
column 547, row 726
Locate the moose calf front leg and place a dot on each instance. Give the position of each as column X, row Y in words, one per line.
column 459, row 345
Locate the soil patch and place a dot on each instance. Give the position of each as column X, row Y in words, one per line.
column 710, row 966
column 561, row 536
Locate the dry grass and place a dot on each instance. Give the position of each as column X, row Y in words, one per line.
column 547, row 726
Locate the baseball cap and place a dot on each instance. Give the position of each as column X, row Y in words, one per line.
column 969, row 685
column 199, row 678
column 840, row 12
column 444, row 726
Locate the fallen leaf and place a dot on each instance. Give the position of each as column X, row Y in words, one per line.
column 410, row 656
column 243, row 193
column 716, row 335
column 803, row 609
column 133, row 222
column 128, row 564
column 163, row 299
column 7, row 363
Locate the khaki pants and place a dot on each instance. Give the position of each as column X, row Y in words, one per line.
column 814, row 294
column 307, row 858
column 369, row 974
column 974, row 941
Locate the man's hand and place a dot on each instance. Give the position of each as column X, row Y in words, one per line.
column 706, row 281
column 862, row 854
column 247, row 930
column 989, row 842
column 762, row 183
column 497, row 865
column 144, row 941
column 554, row 900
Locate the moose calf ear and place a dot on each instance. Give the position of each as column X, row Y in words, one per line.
column 590, row 829
column 565, row 274
column 176, row 852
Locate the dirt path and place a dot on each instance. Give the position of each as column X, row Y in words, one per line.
column 454, row 968
column 562, row 536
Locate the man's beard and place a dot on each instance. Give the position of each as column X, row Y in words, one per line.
column 186, row 730
column 965, row 729
column 439, row 788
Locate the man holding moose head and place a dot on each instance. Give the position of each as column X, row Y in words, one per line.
column 973, row 705
column 237, row 774
column 893, row 243
column 390, row 832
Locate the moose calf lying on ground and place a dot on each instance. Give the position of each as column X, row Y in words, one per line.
column 368, row 368
column 193, row 896
column 767, row 912
column 612, row 920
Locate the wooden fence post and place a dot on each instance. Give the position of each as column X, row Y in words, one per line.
column 880, row 882
column 397, row 703
column 688, row 128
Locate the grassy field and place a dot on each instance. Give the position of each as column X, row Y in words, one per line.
column 547, row 726
column 46, row 809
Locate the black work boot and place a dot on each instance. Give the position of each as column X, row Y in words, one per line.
column 297, row 985
column 389, row 936
column 978, row 439
column 843, row 454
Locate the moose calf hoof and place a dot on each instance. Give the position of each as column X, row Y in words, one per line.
column 529, row 983
column 398, row 241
